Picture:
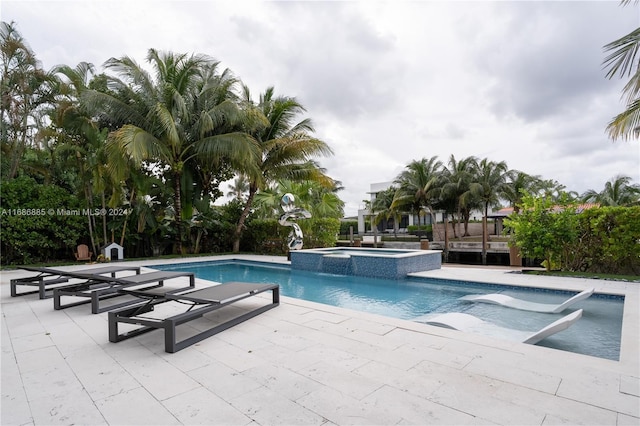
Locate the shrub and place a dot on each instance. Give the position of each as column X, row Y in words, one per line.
column 545, row 229
column 266, row 236
column 609, row 241
column 38, row 222
column 345, row 226
column 321, row 232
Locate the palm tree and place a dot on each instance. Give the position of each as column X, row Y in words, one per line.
column 625, row 61
column 419, row 187
column 518, row 184
column 617, row 192
column 168, row 121
column 239, row 187
column 456, row 188
column 554, row 191
column 286, row 149
column 489, row 182
column 383, row 208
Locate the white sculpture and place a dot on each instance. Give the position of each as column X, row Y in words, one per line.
column 291, row 212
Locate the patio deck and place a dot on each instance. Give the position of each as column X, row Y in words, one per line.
column 307, row 363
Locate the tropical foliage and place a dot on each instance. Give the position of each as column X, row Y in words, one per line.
column 595, row 240
column 619, row 191
column 545, row 229
column 286, row 149
column 624, row 61
column 153, row 143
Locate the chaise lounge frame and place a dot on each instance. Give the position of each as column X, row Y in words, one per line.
column 201, row 302
column 48, row 278
column 98, row 288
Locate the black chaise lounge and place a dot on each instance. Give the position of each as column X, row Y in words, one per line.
column 97, row 288
column 49, row 278
column 199, row 302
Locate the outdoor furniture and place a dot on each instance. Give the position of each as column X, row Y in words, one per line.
column 371, row 240
column 470, row 324
column 83, row 253
column 524, row 305
column 97, row 288
column 48, row 278
column 199, row 302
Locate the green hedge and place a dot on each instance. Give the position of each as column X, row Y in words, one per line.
column 321, row 232
column 267, row 236
column 413, row 228
column 608, row 241
column 345, row 226
column 39, row 222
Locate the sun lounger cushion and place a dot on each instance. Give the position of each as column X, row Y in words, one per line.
column 471, row 324
column 524, row 305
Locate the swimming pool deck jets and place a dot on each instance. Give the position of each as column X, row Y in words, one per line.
column 375, row 263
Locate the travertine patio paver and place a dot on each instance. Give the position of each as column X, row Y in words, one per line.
column 306, row 363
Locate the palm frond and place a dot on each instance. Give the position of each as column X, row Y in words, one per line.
column 626, row 125
column 622, row 60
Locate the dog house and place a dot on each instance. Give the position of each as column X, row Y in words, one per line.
column 113, row 251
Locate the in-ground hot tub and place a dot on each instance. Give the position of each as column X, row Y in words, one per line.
column 377, row 263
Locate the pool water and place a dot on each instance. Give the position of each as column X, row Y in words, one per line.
column 597, row 333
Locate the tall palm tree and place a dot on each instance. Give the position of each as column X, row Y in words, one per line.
column 419, row 187
column 286, row 149
column 383, row 208
column 489, row 182
column 617, row 192
column 553, row 190
column 625, row 62
column 519, row 183
column 171, row 119
column 456, row 188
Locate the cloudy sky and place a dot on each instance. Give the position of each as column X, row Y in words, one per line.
column 386, row 83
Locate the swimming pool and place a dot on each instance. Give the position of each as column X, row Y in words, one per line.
column 597, row 333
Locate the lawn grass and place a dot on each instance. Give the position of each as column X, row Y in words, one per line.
column 592, row 275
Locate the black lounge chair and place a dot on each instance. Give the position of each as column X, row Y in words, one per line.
column 49, row 278
column 199, row 302
column 97, row 288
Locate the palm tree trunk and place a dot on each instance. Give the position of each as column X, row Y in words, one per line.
column 243, row 217
column 446, row 236
column 87, row 195
column 484, row 234
column 433, row 224
column 126, row 219
column 104, row 219
column 177, row 206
